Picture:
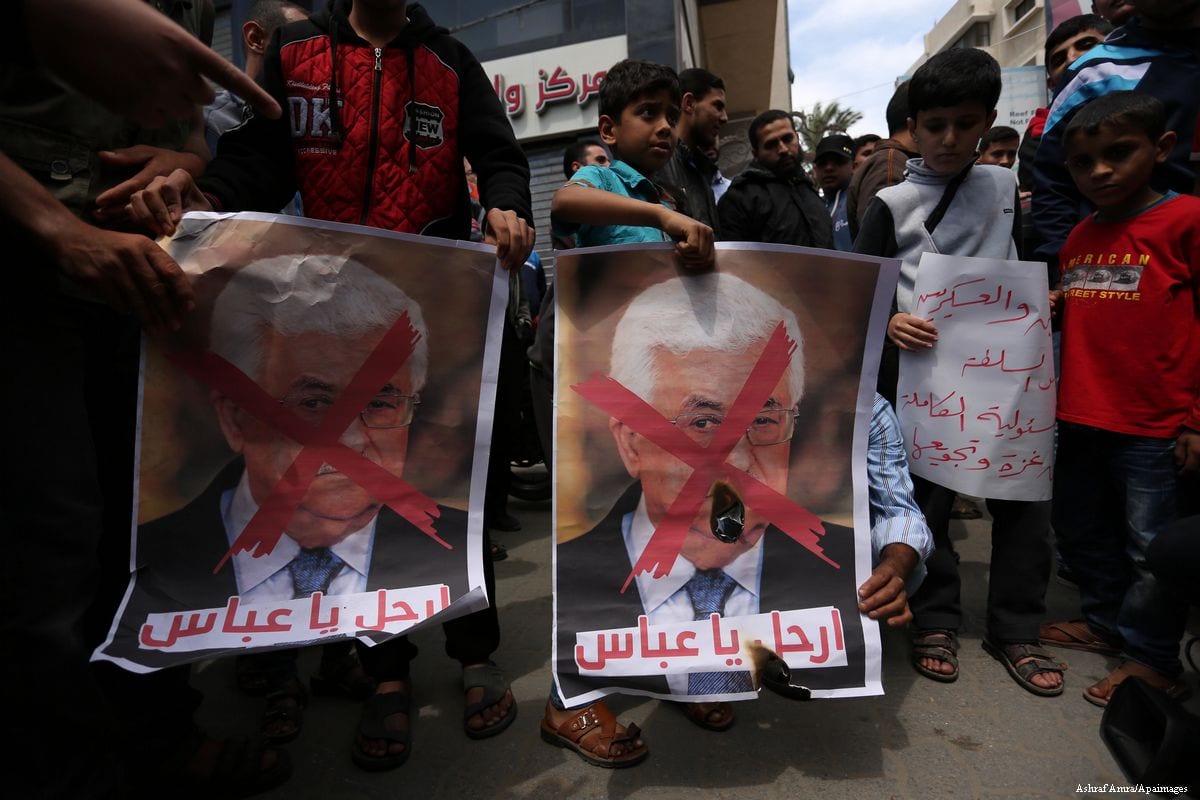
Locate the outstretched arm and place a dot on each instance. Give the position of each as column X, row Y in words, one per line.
column 900, row 536
column 130, row 272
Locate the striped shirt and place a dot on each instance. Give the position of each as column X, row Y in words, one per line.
column 895, row 517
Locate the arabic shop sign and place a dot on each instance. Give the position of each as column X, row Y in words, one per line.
column 551, row 91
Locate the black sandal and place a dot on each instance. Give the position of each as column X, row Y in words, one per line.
column 1023, row 660
column 372, row 725
column 490, row 678
column 285, row 709
column 938, row 643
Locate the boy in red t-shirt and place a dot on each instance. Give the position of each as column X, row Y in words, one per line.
column 1129, row 392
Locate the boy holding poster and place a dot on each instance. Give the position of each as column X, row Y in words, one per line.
column 1129, row 394
column 950, row 205
column 618, row 204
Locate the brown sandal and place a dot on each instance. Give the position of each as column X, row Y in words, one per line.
column 1075, row 634
column 597, row 725
column 1175, row 689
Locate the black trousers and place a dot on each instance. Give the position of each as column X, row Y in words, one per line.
column 1018, row 573
column 470, row 639
column 541, row 388
column 69, row 411
column 506, row 423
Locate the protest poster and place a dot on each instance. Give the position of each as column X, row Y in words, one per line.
column 977, row 411
column 313, row 444
column 676, row 391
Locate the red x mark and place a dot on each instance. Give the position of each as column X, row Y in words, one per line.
column 709, row 463
column 321, row 445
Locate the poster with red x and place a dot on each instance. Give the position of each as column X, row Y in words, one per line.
column 710, row 470
column 313, row 444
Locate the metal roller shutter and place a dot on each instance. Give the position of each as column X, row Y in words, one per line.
column 545, row 176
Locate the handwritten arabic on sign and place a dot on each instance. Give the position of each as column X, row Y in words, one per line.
column 804, row 638
column 978, row 410
column 556, row 86
column 236, row 625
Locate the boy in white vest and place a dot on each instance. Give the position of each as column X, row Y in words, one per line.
column 949, row 204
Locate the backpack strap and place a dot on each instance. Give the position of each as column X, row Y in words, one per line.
column 948, row 194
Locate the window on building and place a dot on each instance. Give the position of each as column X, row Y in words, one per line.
column 978, row 35
column 1022, row 8
column 499, row 28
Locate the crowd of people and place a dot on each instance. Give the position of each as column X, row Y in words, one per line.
column 96, row 160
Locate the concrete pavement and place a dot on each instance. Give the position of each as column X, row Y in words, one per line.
column 981, row 737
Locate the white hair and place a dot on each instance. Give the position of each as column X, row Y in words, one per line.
column 299, row 294
column 713, row 311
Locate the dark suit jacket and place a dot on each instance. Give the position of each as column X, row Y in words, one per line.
column 592, row 568
column 176, row 555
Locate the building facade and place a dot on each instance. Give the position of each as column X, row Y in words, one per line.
column 1013, row 31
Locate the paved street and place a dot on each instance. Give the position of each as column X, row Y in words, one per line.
column 982, row 737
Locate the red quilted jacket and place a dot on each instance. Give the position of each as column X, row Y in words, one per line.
column 389, row 154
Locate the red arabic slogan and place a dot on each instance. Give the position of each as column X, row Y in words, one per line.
column 321, row 443
column 702, row 645
column 291, row 621
column 708, row 463
column 553, row 87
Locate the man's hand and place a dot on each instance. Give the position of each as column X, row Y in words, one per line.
column 512, row 236
column 134, row 60
column 693, row 239
column 129, row 271
column 159, row 207
column 882, row 596
column 1056, row 304
column 154, row 162
column 912, row 333
column 1187, row 452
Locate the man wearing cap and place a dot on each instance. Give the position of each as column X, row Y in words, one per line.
column 772, row 200
column 834, row 166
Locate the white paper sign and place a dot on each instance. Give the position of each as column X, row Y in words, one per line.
column 977, row 410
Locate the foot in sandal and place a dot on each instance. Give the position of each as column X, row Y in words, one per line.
column 935, row 654
column 594, row 734
column 1098, row 694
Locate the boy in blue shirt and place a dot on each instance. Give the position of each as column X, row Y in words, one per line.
column 619, row 204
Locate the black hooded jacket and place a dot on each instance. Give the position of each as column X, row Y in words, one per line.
column 760, row 206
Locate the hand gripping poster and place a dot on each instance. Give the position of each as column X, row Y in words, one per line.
column 710, row 502
column 977, row 411
column 312, row 445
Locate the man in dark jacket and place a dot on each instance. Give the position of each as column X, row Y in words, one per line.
column 886, row 165
column 773, row 200
column 689, row 174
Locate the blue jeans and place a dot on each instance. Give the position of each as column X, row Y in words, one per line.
column 1113, row 493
